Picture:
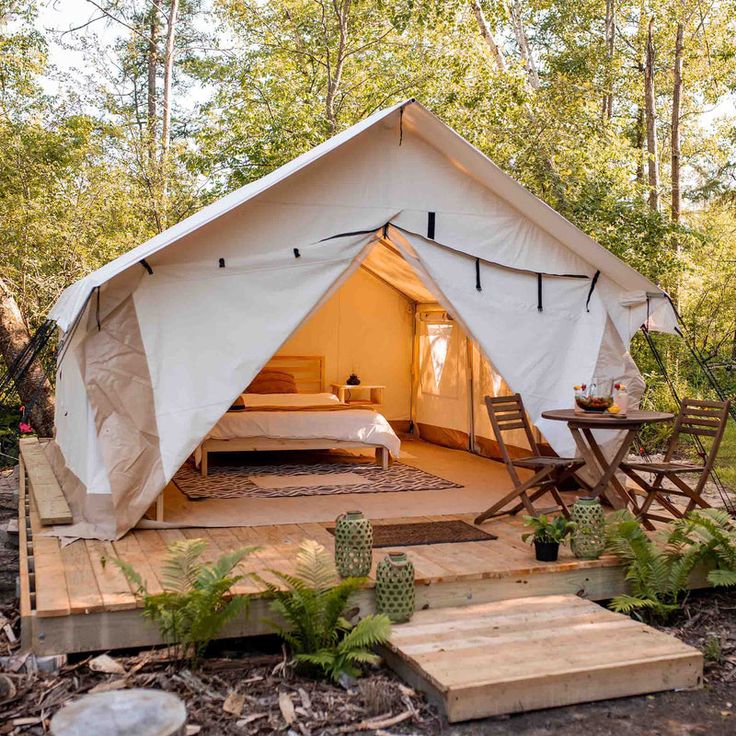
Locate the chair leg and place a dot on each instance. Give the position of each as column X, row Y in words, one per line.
column 532, row 498
column 694, row 498
column 519, row 492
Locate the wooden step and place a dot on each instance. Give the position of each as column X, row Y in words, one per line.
column 539, row 652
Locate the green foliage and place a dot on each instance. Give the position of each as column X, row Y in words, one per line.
column 658, row 571
column 313, row 606
column 707, row 536
column 649, row 569
column 194, row 605
column 545, row 529
column 255, row 84
column 713, row 649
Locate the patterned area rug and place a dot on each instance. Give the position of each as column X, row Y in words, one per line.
column 235, row 481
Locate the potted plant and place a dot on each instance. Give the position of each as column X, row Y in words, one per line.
column 547, row 535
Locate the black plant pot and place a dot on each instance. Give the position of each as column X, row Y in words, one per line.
column 546, row 551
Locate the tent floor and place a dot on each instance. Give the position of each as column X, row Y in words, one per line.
column 73, row 600
column 482, row 482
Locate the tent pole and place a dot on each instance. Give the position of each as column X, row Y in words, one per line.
column 414, row 371
column 471, row 393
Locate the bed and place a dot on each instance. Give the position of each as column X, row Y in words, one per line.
column 309, row 419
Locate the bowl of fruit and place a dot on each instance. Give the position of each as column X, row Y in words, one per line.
column 596, row 397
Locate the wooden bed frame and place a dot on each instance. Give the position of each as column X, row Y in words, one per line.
column 309, row 373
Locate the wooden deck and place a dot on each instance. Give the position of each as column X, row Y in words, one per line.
column 484, row 660
column 74, row 600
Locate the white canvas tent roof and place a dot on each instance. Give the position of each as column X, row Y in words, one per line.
column 159, row 341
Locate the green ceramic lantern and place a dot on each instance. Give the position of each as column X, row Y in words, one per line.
column 589, row 535
column 353, row 544
column 395, row 587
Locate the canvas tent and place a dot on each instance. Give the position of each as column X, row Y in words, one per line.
column 157, row 343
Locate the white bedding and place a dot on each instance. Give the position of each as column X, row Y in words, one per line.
column 351, row 425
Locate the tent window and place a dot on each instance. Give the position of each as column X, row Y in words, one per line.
column 440, row 354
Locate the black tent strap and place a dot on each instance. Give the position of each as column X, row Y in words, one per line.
column 431, row 216
column 97, row 309
column 477, row 275
column 146, row 265
column 592, row 289
column 354, row 232
column 540, row 307
column 488, row 262
column 495, row 264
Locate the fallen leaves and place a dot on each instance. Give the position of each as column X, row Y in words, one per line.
column 234, row 703
column 286, row 707
column 106, row 664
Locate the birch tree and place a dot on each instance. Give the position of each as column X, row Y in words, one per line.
column 650, row 112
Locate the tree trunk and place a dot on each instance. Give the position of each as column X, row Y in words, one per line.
column 651, row 120
column 676, row 105
column 334, row 72
column 33, row 389
column 639, row 137
column 166, row 104
column 152, row 68
column 610, row 31
column 487, row 35
column 522, row 41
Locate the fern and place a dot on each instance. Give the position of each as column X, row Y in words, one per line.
column 659, row 573
column 649, row 569
column 194, row 605
column 312, row 605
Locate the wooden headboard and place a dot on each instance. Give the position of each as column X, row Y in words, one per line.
column 308, row 371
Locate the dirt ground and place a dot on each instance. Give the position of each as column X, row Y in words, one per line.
column 252, row 693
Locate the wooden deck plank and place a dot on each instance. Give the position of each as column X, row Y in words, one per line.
column 50, row 501
column 24, row 577
column 484, row 660
column 52, row 596
column 84, row 593
column 129, row 549
column 116, row 591
column 156, row 550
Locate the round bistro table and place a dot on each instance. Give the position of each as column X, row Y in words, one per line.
column 581, row 427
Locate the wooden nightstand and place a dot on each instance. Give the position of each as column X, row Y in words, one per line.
column 363, row 395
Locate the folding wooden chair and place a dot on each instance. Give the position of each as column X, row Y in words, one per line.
column 507, row 413
column 696, row 419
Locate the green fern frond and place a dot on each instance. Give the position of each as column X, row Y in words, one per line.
column 368, row 632
column 312, row 605
column 315, row 566
column 196, row 602
column 722, row 578
column 182, row 567
column 132, row 576
column 223, row 566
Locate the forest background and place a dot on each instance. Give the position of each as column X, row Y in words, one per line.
column 118, row 118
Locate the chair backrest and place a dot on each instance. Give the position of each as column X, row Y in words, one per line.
column 507, row 413
column 700, row 419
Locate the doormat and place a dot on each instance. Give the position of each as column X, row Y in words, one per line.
column 230, row 481
column 425, row 532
